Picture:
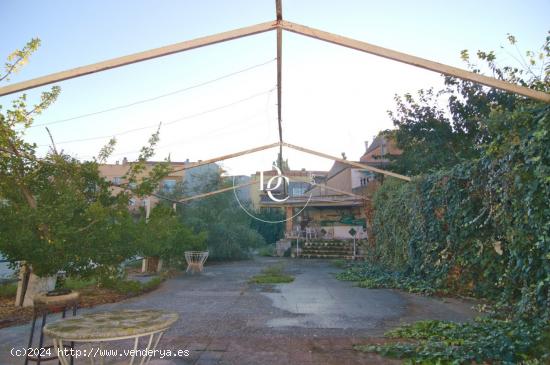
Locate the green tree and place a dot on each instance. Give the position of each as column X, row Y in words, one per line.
column 437, row 130
column 57, row 213
column 164, row 236
column 220, row 216
column 271, row 232
column 481, row 225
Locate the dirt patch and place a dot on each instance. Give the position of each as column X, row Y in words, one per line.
column 11, row 315
column 89, row 297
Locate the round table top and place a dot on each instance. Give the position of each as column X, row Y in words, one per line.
column 110, row 325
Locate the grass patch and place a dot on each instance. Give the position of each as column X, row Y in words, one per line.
column 8, row 290
column 340, row 263
column 272, row 275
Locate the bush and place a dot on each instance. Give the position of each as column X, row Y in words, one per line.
column 130, row 287
column 485, row 340
column 371, row 276
column 267, row 251
column 8, row 290
column 481, row 227
column 76, row 283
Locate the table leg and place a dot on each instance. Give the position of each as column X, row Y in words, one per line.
column 92, row 358
column 41, row 342
column 148, row 357
column 30, row 339
column 136, row 342
column 60, row 350
column 75, row 307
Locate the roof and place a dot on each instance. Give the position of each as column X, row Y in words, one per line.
column 378, row 141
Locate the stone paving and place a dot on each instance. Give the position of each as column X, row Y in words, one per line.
column 314, row 320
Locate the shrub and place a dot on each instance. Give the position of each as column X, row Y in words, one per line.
column 8, row 290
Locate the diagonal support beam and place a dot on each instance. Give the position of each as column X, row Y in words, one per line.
column 198, row 196
column 227, row 157
column 413, row 60
column 139, row 57
column 351, row 163
column 340, row 191
column 210, row 193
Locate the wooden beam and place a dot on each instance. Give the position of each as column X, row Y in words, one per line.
column 413, row 60
column 351, row 163
column 139, row 57
column 278, row 10
column 217, row 191
column 227, row 157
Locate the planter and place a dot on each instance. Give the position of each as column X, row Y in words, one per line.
column 35, row 285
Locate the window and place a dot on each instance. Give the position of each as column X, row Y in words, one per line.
column 132, row 202
column 132, row 185
column 169, row 185
column 298, row 190
column 117, row 180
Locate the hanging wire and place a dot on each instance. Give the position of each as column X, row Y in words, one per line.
column 154, row 97
column 173, row 121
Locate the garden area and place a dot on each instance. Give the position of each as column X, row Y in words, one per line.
column 465, row 219
column 474, row 222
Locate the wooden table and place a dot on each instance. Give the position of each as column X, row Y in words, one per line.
column 111, row 326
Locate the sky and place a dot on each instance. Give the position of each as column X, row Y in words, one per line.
column 334, row 98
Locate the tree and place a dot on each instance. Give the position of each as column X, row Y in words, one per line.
column 57, row 213
column 481, row 225
column 271, row 232
column 438, row 130
column 220, row 216
column 165, row 237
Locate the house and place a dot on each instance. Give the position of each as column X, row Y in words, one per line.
column 115, row 174
column 299, row 182
column 324, row 204
column 338, row 201
column 379, row 150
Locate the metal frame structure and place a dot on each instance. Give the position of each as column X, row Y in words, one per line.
column 279, row 25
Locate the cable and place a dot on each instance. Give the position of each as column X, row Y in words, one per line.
column 167, row 123
column 195, row 137
column 153, row 98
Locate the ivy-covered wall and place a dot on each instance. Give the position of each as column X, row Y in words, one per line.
column 482, row 227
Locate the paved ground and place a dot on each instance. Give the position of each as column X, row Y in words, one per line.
column 314, row 320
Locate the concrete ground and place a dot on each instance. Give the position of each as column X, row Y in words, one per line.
column 314, row 320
